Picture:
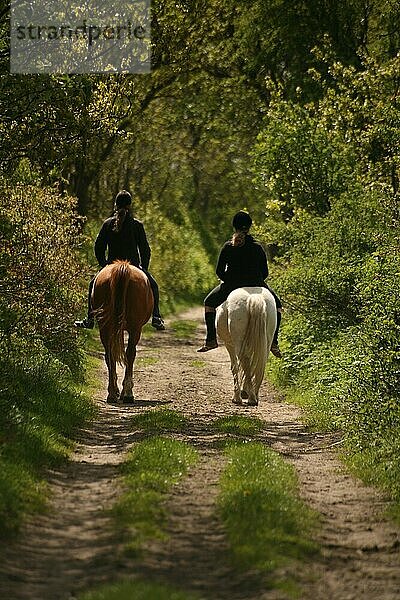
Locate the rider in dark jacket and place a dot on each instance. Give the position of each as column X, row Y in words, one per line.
column 122, row 237
column 242, row 263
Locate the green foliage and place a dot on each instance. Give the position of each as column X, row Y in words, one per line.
column 338, row 268
column 184, row 328
column 259, row 494
column 151, row 469
column 297, row 161
column 373, row 414
column 179, row 262
column 39, row 265
column 185, row 130
column 41, row 358
column 139, row 590
column 326, row 257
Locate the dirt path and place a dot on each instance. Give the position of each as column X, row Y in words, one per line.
column 71, row 547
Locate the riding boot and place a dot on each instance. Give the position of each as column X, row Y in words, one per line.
column 211, row 338
column 156, row 295
column 157, row 321
column 275, row 345
column 88, row 322
column 278, row 324
column 210, row 324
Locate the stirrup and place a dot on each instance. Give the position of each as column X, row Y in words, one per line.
column 209, row 345
column 84, row 324
column 158, row 323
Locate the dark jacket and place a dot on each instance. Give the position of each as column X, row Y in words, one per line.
column 129, row 244
column 240, row 266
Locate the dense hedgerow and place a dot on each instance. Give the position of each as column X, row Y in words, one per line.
column 41, row 357
column 330, row 169
column 39, row 270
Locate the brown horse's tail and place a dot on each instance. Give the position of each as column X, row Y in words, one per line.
column 115, row 313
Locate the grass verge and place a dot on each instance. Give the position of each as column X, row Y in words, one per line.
column 313, row 392
column 37, row 430
column 152, row 468
column 267, row 524
column 378, row 466
column 327, row 386
column 137, row 590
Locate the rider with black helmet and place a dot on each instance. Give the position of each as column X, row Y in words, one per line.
column 242, row 263
column 122, row 237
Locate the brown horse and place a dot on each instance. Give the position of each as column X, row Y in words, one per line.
column 122, row 300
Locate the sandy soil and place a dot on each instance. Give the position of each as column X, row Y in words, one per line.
column 72, row 546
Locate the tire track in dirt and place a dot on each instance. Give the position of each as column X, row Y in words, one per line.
column 72, row 547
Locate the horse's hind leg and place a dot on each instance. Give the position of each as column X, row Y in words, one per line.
column 235, row 372
column 113, row 392
column 257, row 384
column 247, row 391
column 127, row 384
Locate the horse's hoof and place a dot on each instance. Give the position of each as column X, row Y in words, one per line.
column 237, row 401
column 244, row 395
column 128, row 400
column 112, row 399
column 252, row 403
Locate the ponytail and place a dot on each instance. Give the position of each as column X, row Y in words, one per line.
column 239, row 238
column 120, row 213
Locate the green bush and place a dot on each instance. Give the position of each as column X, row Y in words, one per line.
column 375, row 408
column 42, row 360
column 179, row 261
column 39, row 267
column 330, row 170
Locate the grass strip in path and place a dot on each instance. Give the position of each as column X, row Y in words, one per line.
column 152, row 468
column 136, row 590
column 161, row 421
column 238, row 425
column 267, row 524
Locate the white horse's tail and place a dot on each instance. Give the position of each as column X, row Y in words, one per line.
column 254, row 349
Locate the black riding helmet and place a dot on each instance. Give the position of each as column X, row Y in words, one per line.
column 123, row 199
column 242, row 221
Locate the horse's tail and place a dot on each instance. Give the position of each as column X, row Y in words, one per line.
column 115, row 313
column 254, row 349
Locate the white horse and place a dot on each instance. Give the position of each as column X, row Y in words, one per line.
column 246, row 323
